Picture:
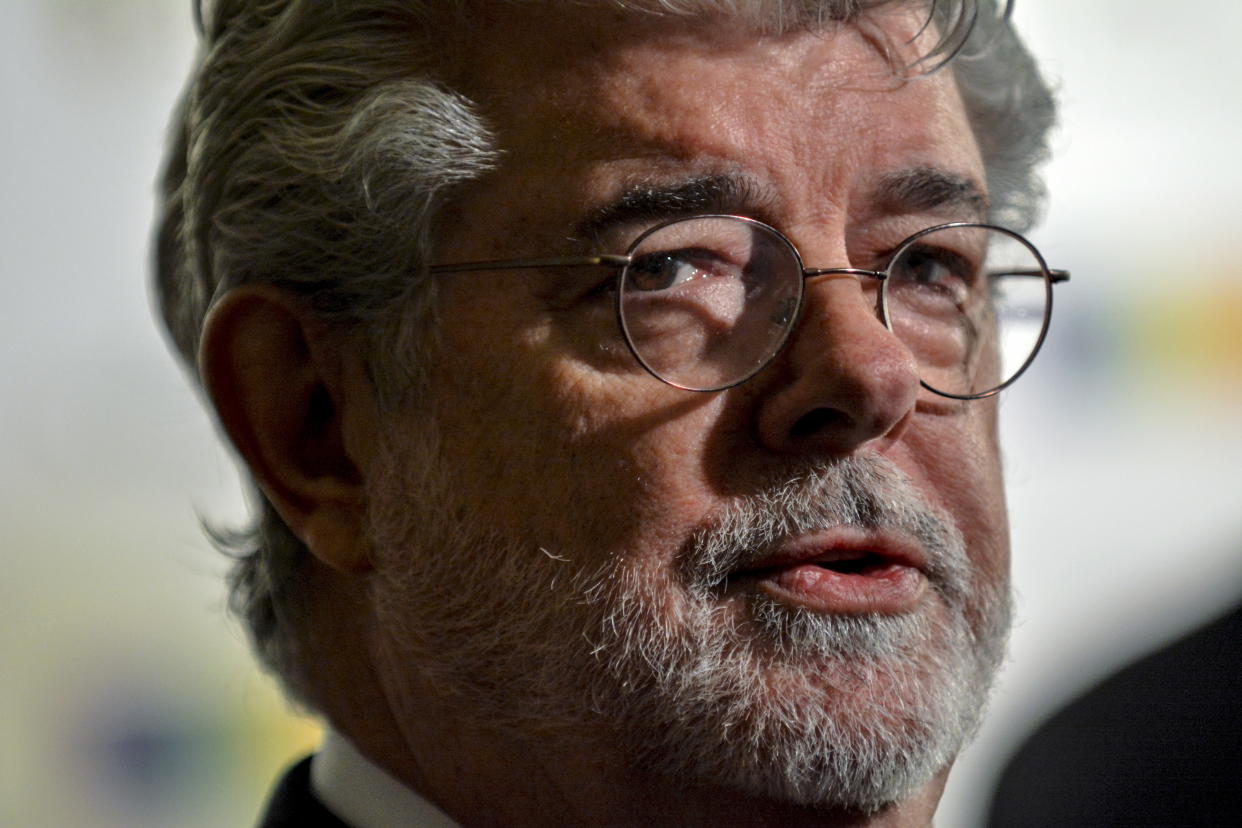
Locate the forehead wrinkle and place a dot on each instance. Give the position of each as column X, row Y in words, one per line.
column 636, row 114
column 588, row 76
column 597, row 48
column 747, row 129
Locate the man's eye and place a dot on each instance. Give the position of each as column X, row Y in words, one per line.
column 935, row 268
column 669, row 269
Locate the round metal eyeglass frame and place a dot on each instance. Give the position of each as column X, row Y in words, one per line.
column 621, row 262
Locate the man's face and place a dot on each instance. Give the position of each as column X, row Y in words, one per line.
column 795, row 587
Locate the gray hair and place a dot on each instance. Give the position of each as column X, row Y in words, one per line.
column 316, row 143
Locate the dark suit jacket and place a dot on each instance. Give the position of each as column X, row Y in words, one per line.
column 292, row 805
column 1158, row 744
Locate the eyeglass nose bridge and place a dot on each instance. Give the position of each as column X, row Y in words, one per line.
column 858, row 273
column 833, row 273
column 841, row 273
column 791, row 310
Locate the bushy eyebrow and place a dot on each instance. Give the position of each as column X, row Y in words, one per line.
column 913, row 190
column 928, row 189
column 652, row 202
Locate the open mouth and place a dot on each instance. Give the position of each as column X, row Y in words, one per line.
column 864, row 564
column 835, row 580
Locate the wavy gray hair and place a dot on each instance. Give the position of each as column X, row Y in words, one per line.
column 311, row 151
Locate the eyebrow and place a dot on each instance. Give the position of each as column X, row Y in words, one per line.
column 918, row 189
column 928, row 189
column 706, row 194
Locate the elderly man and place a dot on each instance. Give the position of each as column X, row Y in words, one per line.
column 619, row 380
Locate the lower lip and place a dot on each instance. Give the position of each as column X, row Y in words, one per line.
column 887, row 589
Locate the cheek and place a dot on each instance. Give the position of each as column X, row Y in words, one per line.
column 560, row 454
column 959, row 457
column 631, row 455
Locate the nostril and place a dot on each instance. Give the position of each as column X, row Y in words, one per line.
column 818, row 420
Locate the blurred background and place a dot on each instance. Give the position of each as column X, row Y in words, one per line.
column 129, row 699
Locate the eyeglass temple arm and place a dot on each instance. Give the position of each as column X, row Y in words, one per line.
column 512, row 264
column 1054, row 275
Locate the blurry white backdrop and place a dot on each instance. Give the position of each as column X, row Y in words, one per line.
column 127, row 699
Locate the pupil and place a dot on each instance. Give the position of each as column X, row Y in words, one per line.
column 656, row 271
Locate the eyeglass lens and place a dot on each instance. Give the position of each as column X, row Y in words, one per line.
column 707, row 302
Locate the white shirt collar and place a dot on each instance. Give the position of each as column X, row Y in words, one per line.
column 364, row 795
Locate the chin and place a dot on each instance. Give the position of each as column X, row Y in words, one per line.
column 851, row 713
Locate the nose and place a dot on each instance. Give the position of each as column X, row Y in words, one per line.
column 844, row 380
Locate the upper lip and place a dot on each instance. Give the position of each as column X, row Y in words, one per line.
column 837, row 544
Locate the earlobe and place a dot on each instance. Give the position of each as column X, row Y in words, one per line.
column 277, row 377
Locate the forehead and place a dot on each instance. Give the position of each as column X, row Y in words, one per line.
column 585, row 104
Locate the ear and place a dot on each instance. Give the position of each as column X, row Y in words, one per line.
column 295, row 402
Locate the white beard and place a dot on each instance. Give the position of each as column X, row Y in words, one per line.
column 832, row 711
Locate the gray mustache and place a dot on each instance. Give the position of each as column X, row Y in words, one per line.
column 866, row 492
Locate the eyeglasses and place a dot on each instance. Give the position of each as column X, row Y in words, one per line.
column 706, row 302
